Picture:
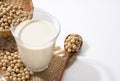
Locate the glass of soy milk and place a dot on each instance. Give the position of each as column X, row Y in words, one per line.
column 35, row 38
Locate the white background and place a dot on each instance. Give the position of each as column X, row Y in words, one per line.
column 98, row 22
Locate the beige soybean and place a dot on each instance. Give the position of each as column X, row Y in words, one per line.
column 8, row 13
column 73, row 43
column 14, row 67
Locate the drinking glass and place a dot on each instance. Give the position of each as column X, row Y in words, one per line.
column 35, row 56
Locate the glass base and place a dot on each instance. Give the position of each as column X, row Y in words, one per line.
column 2, row 78
column 39, row 70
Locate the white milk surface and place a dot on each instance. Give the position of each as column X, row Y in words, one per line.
column 35, row 50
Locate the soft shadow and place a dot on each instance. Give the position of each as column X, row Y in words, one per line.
column 84, row 49
column 107, row 70
column 87, row 70
column 81, row 71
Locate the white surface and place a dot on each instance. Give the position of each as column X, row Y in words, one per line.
column 86, row 69
column 98, row 22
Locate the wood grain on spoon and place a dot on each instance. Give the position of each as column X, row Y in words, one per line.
column 72, row 45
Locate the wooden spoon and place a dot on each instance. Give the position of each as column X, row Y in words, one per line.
column 71, row 41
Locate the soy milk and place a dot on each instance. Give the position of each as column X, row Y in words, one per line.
column 36, row 44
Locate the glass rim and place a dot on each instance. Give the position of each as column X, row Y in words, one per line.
column 58, row 27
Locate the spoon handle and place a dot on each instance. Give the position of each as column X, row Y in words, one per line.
column 64, row 66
